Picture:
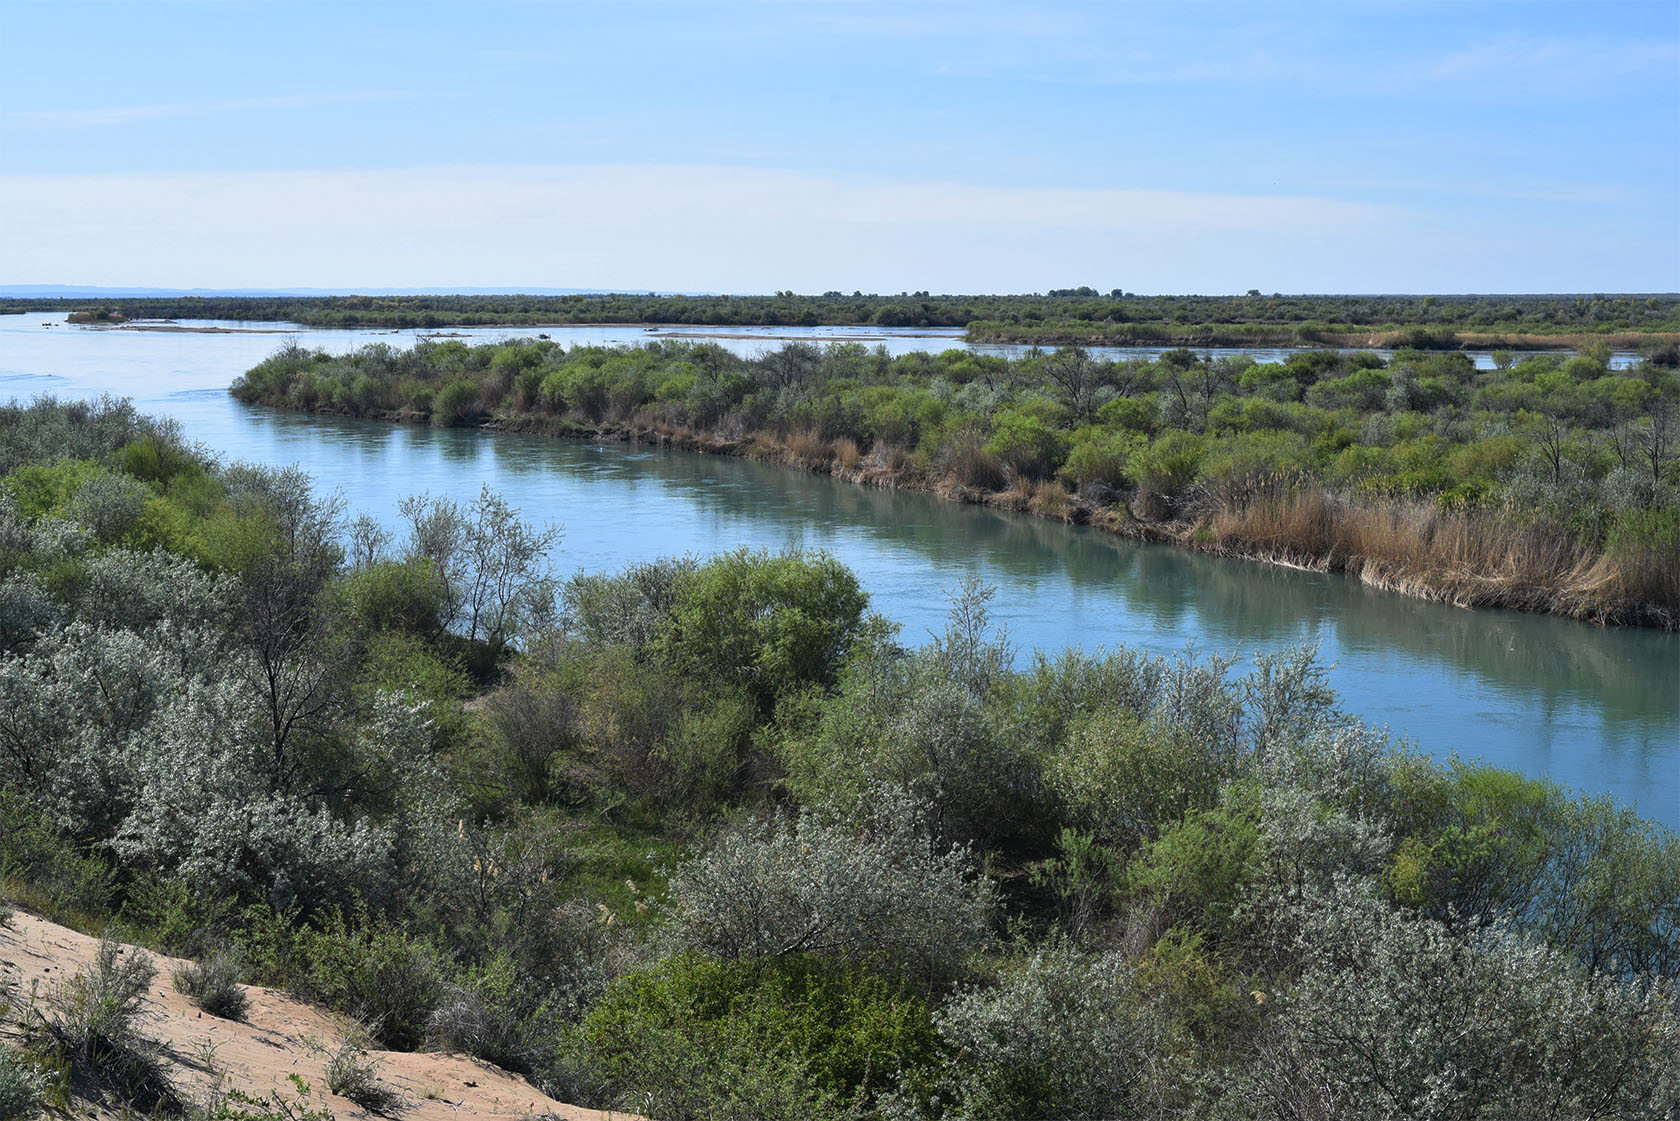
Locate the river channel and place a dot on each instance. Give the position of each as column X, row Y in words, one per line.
column 1595, row 709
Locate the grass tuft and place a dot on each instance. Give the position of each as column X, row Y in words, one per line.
column 213, row 985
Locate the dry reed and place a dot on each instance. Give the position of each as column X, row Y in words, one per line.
column 807, row 448
column 1470, row 558
column 846, row 453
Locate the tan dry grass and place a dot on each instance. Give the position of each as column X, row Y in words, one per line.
column 1472, row 559
column 807, row 448
column 1050, row 500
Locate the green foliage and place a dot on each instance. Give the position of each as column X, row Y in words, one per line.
column 404, row 596
column 930, row 722
column 1167, row 466
column 1591, row 878
column 887, row 897
column 695, row 1037
column 456, row 403
column 383, row 977
column 23, row 1087
column 1395, row 1016
column 1029, row 447
column 53, row 872
column 1062, row 1035
column 1197, row 870
column 1099, row 457
column 1125, row 778
column 765, row 622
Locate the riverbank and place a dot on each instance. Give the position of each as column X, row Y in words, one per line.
column 1547, row 484
column 1411, row 547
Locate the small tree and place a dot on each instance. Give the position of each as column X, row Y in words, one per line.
column 492, row 564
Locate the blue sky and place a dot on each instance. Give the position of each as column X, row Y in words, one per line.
column 748, row 147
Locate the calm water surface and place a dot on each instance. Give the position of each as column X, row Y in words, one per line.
column 1596, row 709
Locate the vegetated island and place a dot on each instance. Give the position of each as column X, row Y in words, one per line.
column 1546, row 484
column 1061, row 316
column 702, row 839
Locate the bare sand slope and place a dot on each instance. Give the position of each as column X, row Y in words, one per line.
column 279, row 1037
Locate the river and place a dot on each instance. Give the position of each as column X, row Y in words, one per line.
column 1595, row 709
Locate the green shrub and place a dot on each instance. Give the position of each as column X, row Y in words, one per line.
column 376, row 974
column 23, row 1087
column 60, row 876
column 694, row 1037
column 1126, row 779
column 889, row 897
column 1196, row 870
column 456, row 403
column 1584, row 874
column 1063, row 1035
column 406, row 596
column 1099, row 457
column 1135, row 414
column 1167, row 465
column 1397, row 1016
column 1026, row 445
column 766, row 623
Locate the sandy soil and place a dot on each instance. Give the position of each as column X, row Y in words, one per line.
column 279, row 1037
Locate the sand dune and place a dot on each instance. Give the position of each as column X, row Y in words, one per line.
column 279, row 1037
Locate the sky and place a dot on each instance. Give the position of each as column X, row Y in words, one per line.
column 1184, row 147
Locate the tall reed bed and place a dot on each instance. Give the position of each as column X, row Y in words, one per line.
column 1473, row 558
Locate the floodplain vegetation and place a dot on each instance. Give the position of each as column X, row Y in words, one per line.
column 1549, row 483
column 1062, row 315
column 703, row 839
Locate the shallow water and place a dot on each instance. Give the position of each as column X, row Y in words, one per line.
column 1593, row 708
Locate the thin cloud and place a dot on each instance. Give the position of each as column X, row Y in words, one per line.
column 752, row 230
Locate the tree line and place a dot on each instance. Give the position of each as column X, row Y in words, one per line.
column 1121, row 316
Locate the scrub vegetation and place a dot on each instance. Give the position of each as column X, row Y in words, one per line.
column 703, row 839
column 1550, row 483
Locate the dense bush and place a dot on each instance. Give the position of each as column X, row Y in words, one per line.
column 888, row 897
column 1062, row 1035
column 796, row 1037
column 701, row 839
column 1395, row 1016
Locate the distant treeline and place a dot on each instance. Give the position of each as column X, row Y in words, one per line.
column 1082, row 313
column 1547, row 484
